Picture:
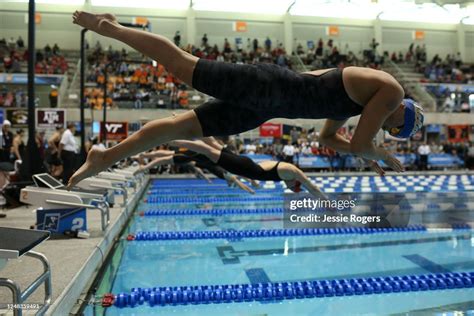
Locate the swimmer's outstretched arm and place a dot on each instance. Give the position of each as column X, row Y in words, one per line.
column 289, row 172
column 362, row 143
column 199, row 173
column 166, row 160
column 233, row 179
column 157, row 153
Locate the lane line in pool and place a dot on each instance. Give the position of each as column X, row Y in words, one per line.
column 265, row 233
column 278, row 291
column 426, row 264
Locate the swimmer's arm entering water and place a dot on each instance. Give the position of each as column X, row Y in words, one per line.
column 379, row 107
column 166, row 160
column 289, row 172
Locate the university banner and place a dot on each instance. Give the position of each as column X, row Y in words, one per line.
column 17, row 116
column 117, row 131
column 50, row 118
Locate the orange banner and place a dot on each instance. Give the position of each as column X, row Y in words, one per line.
column 240, row 26
column 140, row 20
column 37, row 18
column 332, row 30
column 419, row 35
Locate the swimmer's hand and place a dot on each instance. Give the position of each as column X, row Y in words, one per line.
column 374, row 165
column 94, row 164
column 393, row 163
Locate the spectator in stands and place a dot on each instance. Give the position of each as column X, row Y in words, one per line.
column 53, row 96
column 435, row 148
column 177, row 39
column 394, row 57
column 255, row 44
column 423, row 152
column 56, row 50
column 12, row 43
column 227, row 49
column 250, row 148
column 7, row 141
column 458, row 60
column 294, row 135
column 67, row 151
column 268, row 44
column 288, row 152
column 138, row 100
column 18, row 146
column 373, row 46
column 96, row 144
column 330, row 44
column 47, row 51
column 204, row 41
column 20, row 43
column 15, row 66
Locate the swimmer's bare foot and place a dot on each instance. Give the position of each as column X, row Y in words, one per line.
column 99, row 23
column 94, row 164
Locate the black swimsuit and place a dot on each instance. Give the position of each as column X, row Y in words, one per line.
column 201, row 161
column 249, row 95
column 246, row 167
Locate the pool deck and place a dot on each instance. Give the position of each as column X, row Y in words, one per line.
column 74, row 262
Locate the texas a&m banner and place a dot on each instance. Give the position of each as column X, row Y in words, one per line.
column 50, row 118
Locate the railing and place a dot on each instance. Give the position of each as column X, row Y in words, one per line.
column 415, row 89
column 75, row 78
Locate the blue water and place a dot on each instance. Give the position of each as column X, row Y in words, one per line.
column 302, row 258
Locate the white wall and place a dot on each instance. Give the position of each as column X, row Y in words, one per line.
column 437, row 41
column 56, row 26
column 217, row 30
column 356, row 37
column 469, row 40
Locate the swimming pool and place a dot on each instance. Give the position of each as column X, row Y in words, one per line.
column 199, row 249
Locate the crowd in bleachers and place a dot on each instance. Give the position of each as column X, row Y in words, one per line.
column 12, row 97
column 329, row 55
column 14, row 56
column 133, row 80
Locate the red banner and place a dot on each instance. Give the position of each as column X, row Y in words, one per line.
column 115, row 130
column 271, row 130
column 458, row 133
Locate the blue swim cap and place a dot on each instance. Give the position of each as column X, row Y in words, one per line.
column 413, row 120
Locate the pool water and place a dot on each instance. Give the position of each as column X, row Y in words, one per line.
column 183, row 205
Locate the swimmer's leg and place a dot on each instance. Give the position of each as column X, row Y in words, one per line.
column 183, row 126
column 157, row 47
